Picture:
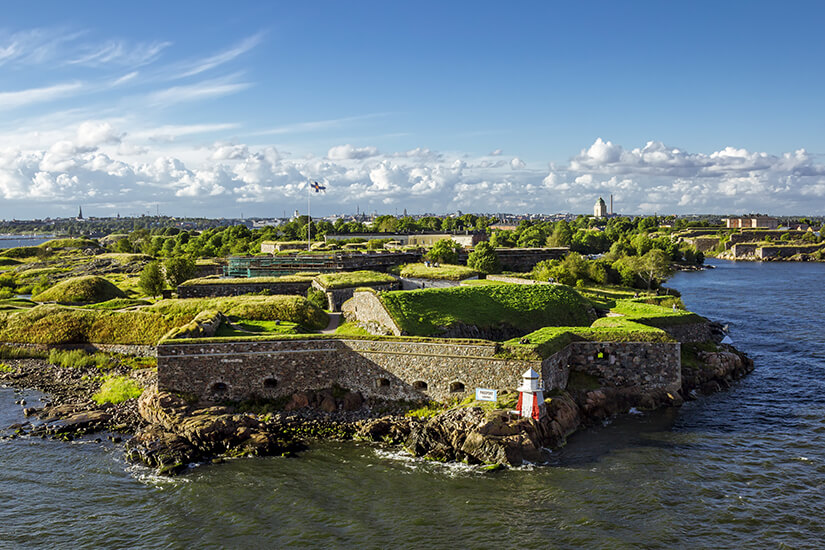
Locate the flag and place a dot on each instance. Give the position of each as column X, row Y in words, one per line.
column 318, row 187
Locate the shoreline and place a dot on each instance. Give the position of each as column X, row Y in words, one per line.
column 168, row 432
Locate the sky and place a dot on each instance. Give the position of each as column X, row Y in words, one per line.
column 222, row 109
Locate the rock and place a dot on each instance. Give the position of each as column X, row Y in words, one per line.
column 352, row 401
column 298, row 400
column 328, row 404
column 29, row 411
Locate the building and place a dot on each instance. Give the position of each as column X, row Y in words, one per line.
column 413, row 239
column 600, row 208
column 750, row 222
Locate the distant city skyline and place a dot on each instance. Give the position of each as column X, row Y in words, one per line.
column 213, row 109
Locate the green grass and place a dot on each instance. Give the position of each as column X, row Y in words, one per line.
column 257, row 327
column 657, row 316
column 350, row 279
column 482, row 282
column 445, row 272
column 70, row 243
column 295, row 309
column 117, row 389
column 351, row 329
column 9, row 261
column 22, row 252
column 78, row 359
column 5, row 368
column 296, row 278
column 87, row 289
column 12, row 352
column 526, row 307
column 51, row 324
column 118, row 303
column 125, row 258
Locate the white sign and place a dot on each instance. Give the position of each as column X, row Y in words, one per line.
column 486, row 395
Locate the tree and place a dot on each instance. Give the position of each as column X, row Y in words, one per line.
column 484, row 258
column 179, row 270
column 562, row 235
column 444, row 251
column 151, row 279
column 655, row 266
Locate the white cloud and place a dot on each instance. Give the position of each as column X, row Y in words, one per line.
column 97, row 162
column 206, row 89
column 21, row 98
column 225, row 56
column 345, row 152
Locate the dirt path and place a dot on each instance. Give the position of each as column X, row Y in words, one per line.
column 334, row 321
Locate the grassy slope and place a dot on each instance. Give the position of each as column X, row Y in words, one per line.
column 527, row 307
column 446, row 272
column 49, row 324
column 296, row 278
column 295, row 309
column 349, row 279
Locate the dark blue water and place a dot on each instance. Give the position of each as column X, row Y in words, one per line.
column 741, row 469
column 13, row 241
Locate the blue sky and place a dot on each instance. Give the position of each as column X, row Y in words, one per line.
column 220, row 108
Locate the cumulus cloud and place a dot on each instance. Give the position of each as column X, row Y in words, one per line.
column 96, row 163
column 346, row 152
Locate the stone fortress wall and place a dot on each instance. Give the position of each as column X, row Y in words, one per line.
column 399, row 369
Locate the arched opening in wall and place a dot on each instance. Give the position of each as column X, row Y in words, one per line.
column 456, row 387
column 270, row 383
column 420, row 385
column 382, row 383
column 218, row 387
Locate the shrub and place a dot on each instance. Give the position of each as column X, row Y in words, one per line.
column 318, row 298
column 179, row 270
column 117, row 389
column 87, row 289
column 151, row 279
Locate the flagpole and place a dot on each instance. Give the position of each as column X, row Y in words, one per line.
column 309, row 219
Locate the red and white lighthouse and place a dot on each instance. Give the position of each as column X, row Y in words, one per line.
column 531, row 396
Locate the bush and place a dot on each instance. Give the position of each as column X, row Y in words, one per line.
column 151, row 279
column 117, row 389
column 179, row 270
column 318, row 298
column 88, row 289
column 484, row 258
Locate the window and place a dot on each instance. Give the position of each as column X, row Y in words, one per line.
column 456, row 387
column 382, row 383
column 218, row 387
column 420, row 385
column 270, row 383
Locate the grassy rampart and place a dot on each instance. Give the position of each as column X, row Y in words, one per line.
column 526, row 307
column 446, row 272
column 88, row 289
column 349, row 279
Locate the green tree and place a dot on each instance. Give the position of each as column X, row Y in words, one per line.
column 655, row 266
column 179, row 270
column 484, row 258
column 562, row 235
column 151, row 279
column 444, row 251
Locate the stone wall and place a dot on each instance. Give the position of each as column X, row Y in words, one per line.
column 414, row 283
column 643, row 365
column 122, row 349
column 693, row 332
column 337, row 296
column 740, row 250
column 238, row 288
column 367, row 310
column 767, row 252
column 400, row 369
column 384, row 369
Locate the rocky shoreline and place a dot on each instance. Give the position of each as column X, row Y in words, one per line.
column 169, row 432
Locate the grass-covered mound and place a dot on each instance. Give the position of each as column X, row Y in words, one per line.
column 300, row 277
column 653, row 315
column 9, row 262
column 118, row 303
column 447, row 272
column 525, row 307
column 295, row 309
column 22, row 252
column 50, row 324
column 349, row 279
column 86, row 290
column 70, row 243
